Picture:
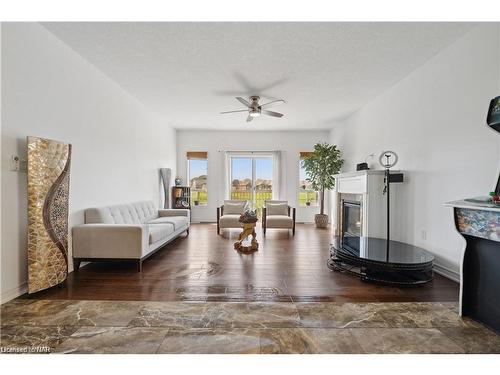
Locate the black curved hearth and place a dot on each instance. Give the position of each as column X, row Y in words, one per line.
column 382, row 261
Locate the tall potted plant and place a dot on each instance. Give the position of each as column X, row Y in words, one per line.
column 320, row 167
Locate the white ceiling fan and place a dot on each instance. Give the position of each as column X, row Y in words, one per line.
column 255, row 109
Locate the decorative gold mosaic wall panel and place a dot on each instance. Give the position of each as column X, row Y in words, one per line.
column 48, row 196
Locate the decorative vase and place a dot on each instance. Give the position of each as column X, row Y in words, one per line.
column 178, row 192
column 165, row 178
column 321, row 220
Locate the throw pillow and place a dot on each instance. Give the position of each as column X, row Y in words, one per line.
column 277, row 209
column 234, row 208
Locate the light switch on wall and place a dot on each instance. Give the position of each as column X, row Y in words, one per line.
column 17, row 165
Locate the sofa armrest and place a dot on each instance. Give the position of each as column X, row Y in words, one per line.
column 174, row 212
column 110, row 241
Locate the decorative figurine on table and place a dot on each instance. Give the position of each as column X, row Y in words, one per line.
column 249, row 220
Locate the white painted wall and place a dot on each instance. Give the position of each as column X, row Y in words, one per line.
column 290, row 143
column 118, row 146
column 435, row 120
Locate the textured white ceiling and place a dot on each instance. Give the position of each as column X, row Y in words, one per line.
column 189, row 72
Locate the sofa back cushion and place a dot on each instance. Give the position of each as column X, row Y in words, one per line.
column 234, row 207
column 132, row 213
column 276, row 208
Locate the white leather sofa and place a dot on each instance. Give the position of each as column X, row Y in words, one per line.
column 126, row 232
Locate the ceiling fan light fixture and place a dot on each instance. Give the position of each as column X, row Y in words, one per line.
column 255, row 110
column 254, row 113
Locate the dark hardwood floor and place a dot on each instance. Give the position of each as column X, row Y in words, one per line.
column 204, row 267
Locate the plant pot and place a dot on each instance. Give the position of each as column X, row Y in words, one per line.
column 196, row 203
column 308, row 203
column 321, row 220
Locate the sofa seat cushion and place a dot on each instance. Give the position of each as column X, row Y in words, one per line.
column 279, row 221
column 229, row 221
column 160, row 232
column 177, row 221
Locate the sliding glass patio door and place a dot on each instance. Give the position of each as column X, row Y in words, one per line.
column 251, row 178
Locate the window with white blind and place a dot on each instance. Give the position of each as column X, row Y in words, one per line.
column 307, row 195
column 197, row 177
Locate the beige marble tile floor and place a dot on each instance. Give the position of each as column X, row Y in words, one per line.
column 242, row 327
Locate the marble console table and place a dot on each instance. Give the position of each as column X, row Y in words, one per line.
column 479, row 223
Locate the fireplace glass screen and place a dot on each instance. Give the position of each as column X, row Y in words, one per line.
column 351, row 225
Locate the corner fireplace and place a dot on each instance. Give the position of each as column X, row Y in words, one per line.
column 361, row 246
column 351, row 219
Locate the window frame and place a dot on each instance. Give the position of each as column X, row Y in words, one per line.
column 188, row 174
column 299, row 190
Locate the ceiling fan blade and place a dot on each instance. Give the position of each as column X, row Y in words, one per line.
column 271, row 113
column 249, row 118
column 273, row 103
column 239, row 110
column 243, row 101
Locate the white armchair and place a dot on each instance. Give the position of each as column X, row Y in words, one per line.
column 228, row 214
column 278, row 214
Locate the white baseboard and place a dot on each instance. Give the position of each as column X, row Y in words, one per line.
column 14, row 293
column 447, row 272
column 20, row 290
column 23, row 288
